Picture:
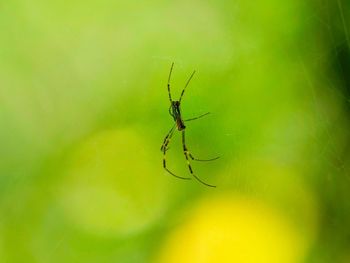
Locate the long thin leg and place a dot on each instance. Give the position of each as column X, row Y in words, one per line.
column 188, row 81
column 196, row 118
column 171, row 70
column 187, row 153
column 171, row 114
column 203, row 160
column 164, row 148
column 165, row 142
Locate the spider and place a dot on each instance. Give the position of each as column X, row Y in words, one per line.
column 175, row 112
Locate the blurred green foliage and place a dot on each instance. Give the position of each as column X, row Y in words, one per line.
column 84, row 110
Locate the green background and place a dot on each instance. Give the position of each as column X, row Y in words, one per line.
column 84, row 111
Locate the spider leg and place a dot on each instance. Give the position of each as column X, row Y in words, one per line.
column 165, row 142
column 187, row 154
column 171, row 69
column 188, row 81
column 203, row 160
column 164, row 148
column 170, row 112
column 196, row 118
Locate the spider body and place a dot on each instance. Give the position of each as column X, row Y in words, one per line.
column 175, row 112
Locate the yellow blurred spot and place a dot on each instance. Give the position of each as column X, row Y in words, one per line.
column 110, row 186
column 234, row 229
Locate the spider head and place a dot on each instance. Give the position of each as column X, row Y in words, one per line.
column 175, row 104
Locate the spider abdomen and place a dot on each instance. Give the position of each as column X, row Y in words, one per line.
column 180, row 124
